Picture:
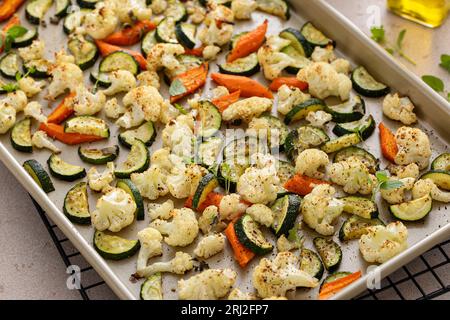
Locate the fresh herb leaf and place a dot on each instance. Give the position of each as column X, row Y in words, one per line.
column 448, row 97
column 8, row 43
column 16, row 32
column 10, row 87
column 435, row 83
column 180, row 108
column 377, row 33
column 390, row 185
column 445, row 62
column 390, row 51
column 381, row 176
column 400, row 38
column 176, row 88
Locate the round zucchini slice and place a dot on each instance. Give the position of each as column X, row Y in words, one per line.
column 98, row 156
column 230, row 172
column 62, row 8
column 165, row 31
column 278, row 8
column 119, row 60
column 113, row 247
column 315, row 37
column 362, row 207
column 145, row 132
column 366, row 85
column 311, row 263
column 413, row 210
column 21, row 136
column 208, row 183
column 439, row 177
column 100, row 79
column 138, row 160
column 176, row 10
column 90, row 4
column 37, row 68
column 87, row 125
column 39, row 175
column 302, row 138
column 241, row 149
column 277, row 131
column 285, row 171
column 340, row 143
column 36, row 10
column 329, row 251
column 84, row 51
column 298, row 41
column 300, row 60
column 151, row 289
column 210, row 119
column 74, row 20
column 148, row 42
column 26, row 39
column 355, row 226
column 63, row 170
column 369, row 160
column 250, row 236
column 285, row 210
column 246, row 66
column 128, row 186
column 185, row 34
column 76, row 204
column 301, row 110
column 10, row 65
column 441, row 163
column 349, row 111
column 364, row 127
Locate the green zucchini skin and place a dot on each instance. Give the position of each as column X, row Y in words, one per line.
column 302, row 138
column 100, row 238
column 249, row 234
column 77, row 193
column 359, row 78
column 119, row 60
column 63, row 8
column 56, row 166
column 208, row 183
column 357, row 105
column 355, row 226
column 441, row 178
column 146, row 132
column 210, row 119
column 284, row 218
column 39, row 175
column 442, row 162
column 84, row 61
column 9, row 65
column 365, row 128
column 308, row 28
column 88, row 4
column 340, row 143
column 36, row 17
column 360, row 206
column 335, row 276
column 298, row 41
column 128, row 186
column 21, row 136
column 310, row 263
column 413, row 210
column 330, row 253
column 98, row 156
column 369, row 160
column 39, row 72
column 134, row 165
column 301, row 110
column 151, row 288
column 101, row 79
column 26, row 39
column 246, row 66
column 183, row 38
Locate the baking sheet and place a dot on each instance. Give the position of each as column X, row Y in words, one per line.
column 432, row 108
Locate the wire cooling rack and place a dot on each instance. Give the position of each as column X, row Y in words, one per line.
column 427, row 277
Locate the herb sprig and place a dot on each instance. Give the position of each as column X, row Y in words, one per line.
column 383, row 183
column 12, row 34
column 378, row 35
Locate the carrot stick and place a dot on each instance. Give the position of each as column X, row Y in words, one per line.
column 192, row 80
column 388, row 144
column 56, row 131
column 194, row 52
column 242, row 255
column 248, row 86
column 331, row 288
column 63, row 111
column 130, row 35
column 248, row 43
column 106, row 48
column 212, row 199
column 289, row 81
column 223, row 102
column 8, row 8
column 302, row 185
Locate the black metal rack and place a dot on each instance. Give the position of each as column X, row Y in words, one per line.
column 427, row 277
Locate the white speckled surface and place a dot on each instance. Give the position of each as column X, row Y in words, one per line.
column 30, row 266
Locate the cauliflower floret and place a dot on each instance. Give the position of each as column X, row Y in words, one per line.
column 113, row 109
column 133, row 117
column 424, row 187
column 413, row 147
column 318, row 118
column 160, row 211
column 271, row 59
column 276, row 277
column 7, row 117
column 196, row 12
column 151, row 183
column 381, row 243
column 161, row 158
column 129, row 11
column 208, row 219
column 288, row 98
column 34, row 110
column 397, row 195
column 62, row 57
column 231, row 206
column 210, row 246
column 209, row 285
column 40, row 140
column 217, row 33
column 237, row 294
column 261, row 214
column 353, row 176
column 102, row 21
column 149, row 78
column 320, row 210
column 163, row 55
column 114, row 211
column 148, row 99
column 181, row 231
column 65, row 75
column 341, row 66
column 100, row 181
column 243, row 9
column 409, row 171
column 183, row 180
column 30, row 86
column 310, row 162
column 178, row 136
column 17, row 99
column 158, row 6
column 323, row 81
column 35, row 51
column 151, row 246
column 168, row 112
column 181, row 263
column 400, row 109
column 247, row 109
column 323, row 54
column 86, row 103
column 210, row 52
column 121, row 81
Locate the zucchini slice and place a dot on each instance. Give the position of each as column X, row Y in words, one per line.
column 114, row 247
column 246, row 66
column 63, row 170
column 364, row 127
column 21, row 136
column 302, row 138
column 187, row 62
column 76, row 204
column 210, row 119
column 285, row 210
column 36, row 10
column 329, row 251
column 366, row 157
column 249, row 234
column 300, row 60
column 311, row 263
column 362, row 207
column 148, row 42
column 100, row 79
column 241, row 149
column 208, row 183
column 277, row 131
column 26, row 39
column 285, row 171
column 90, row 4
column 62, row 8
column 119, row 60
column 87, row 125
column 98, row 156
column 176, row 10
column 441, row 163
column 146, row 133
column 278, row 8
column 40, row 68
column 230, row 172
column 349, row 111
column 366, row 85
column 301, row 110
column 208, row 151
column 10, row 65
column 315, row 37
column 39, row 175
column 74, row 20
column 298, row 41
column 138, row 160
column 128, row 186
column 413, row 210
column 340, row 143
column 355, row 226
column 165, row 31
column 185, row 34
column 84, row 51
column 151, row 288
column 440, row 178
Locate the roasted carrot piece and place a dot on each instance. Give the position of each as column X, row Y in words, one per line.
column 242, row 255
column 63, row 111
column 302, row 185
column 212, row 199
column 192, row 80
column 289, row 81
column 388, row 144
column 194, row 52
column 248, row 43
column 106, row 48
column 130, row 35
column 331, row 288
column 247, row 86
column 223, row 102
column 56, row 131
column 8, row 8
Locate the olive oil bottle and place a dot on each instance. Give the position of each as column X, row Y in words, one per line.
column 430, row 13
